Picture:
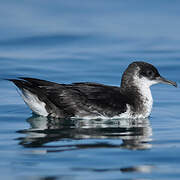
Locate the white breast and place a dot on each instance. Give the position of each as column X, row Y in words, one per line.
column 143, row 85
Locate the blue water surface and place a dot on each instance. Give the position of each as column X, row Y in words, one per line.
column 72, row 41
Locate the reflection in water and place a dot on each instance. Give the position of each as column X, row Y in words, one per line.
column 135, row 134
column 140, row 169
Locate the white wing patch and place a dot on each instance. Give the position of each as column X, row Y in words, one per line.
column 37, row 106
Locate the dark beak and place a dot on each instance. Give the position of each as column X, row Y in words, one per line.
column 160, row 79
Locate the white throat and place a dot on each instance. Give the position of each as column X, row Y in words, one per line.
column 143, row 85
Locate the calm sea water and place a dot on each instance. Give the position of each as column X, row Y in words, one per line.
column 72, row 41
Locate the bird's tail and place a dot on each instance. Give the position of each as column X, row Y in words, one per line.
column 35, row 98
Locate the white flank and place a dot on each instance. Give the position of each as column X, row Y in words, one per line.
column 126, row 115
column 37, row 106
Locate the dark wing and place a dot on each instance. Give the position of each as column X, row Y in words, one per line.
column 80, row 98
column 100, row 99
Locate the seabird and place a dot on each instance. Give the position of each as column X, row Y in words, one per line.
column 132, row 99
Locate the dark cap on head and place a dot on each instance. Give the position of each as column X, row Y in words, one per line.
column 143, row 70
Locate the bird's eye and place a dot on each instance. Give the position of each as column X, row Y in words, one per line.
column 149, row 73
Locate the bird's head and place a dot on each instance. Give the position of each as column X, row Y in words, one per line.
column 143, row 74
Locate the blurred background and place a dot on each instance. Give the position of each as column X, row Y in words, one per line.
column 86, row 40
column 70, row 41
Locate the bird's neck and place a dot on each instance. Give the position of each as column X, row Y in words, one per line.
column 140, row 100
column 146, row 100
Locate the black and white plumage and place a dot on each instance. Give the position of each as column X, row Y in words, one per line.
column 132, row 99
